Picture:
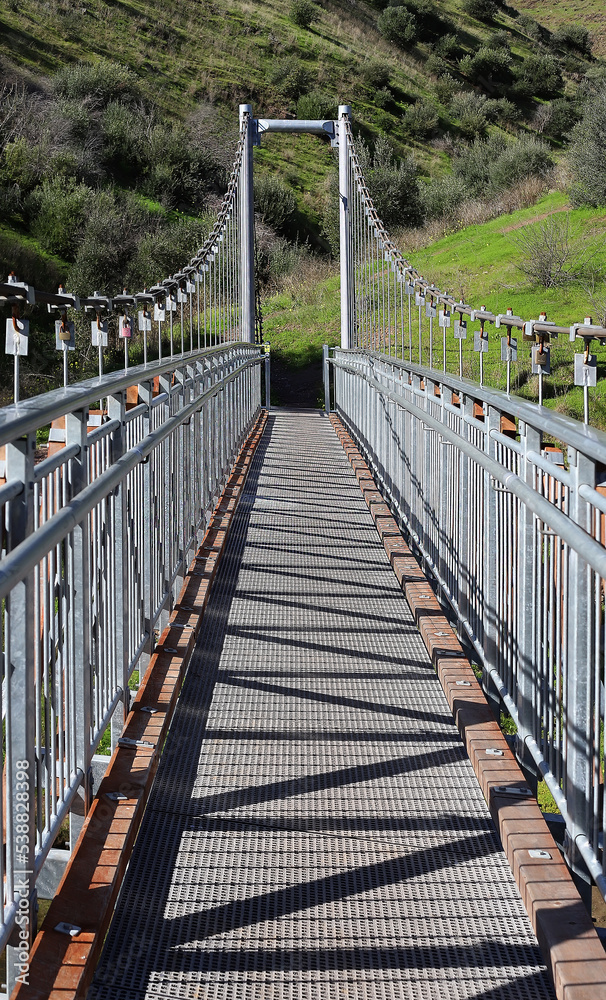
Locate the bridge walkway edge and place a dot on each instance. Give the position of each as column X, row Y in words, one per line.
column 568, row 940
column 61, row 967
column 315, row 826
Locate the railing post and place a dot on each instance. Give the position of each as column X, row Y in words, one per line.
column 79, row 624
column 490, row 558
column 579, row 683
column 246, row 229
column 530, row 439
column 344, row 227
column 267, row 380
column 146, row 395
column 116, row 407
column 21, row 695
column 326, row 371
column 464, row 584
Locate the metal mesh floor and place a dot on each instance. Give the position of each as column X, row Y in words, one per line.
column 315, row 829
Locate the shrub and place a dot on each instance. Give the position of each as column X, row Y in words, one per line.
column 572, row 36
column 447, row 46
column 398, row 25
column 76, row 116
column 304, row 13
column 123, row 130
column 10, row 200
column 274, row 201
column 291, row 76
column 419, row 120
column 573, row 64
column 528, row 157
column 488, row 65
column 472, row 163
column 277, row 257
column 540, row 76
column 178, row 175
column 101, row 259
column 382, row 98
column 392, row 183
column 498, row 40
column 502, row 110
column 490, row 165
column 483, row 10
column 316, row 105
column 445, row 87
column 57, row 210
column 436, row 66
column 471, row 111
column 442, row 197
column 532, row 28
column 165, row 248
column 556, row 118
column 555, row 254
column 374, row 73
column 20, row 165
column 97, row 83
column 18, row 110
column 430, row 24
column 587, row 153
column 593, row 78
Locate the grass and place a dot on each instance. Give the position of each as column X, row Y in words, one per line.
column 589, row 13
column 104, row 747
column 304, row 314
column 481, row 265
column 483, row 262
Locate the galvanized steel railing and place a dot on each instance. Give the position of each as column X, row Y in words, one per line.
column 505, row 503
column 96, row 540
column 97, row 537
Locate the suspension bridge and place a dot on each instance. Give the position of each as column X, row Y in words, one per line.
column 300, row 628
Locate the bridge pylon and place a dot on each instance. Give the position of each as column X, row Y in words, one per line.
column 254, row 129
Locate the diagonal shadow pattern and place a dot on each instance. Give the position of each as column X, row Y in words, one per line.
column 315, row 828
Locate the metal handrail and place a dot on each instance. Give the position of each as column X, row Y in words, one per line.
column 556, row 425
column 523, row 566
column 97, row 541
column 570, row 532
column 22, row 418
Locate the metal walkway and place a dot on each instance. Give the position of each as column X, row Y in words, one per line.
column 315, row 829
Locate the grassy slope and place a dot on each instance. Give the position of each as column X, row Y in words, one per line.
column 479, row 263
column 589, row 13
column 226, row 53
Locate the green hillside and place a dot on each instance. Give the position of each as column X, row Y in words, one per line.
column 589, row 13
column 483, row 264
column 118, row 124
column 198, row 60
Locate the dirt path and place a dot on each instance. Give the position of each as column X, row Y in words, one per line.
column 536, row 218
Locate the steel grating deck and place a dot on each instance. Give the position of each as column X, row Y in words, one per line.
column 315, row 829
